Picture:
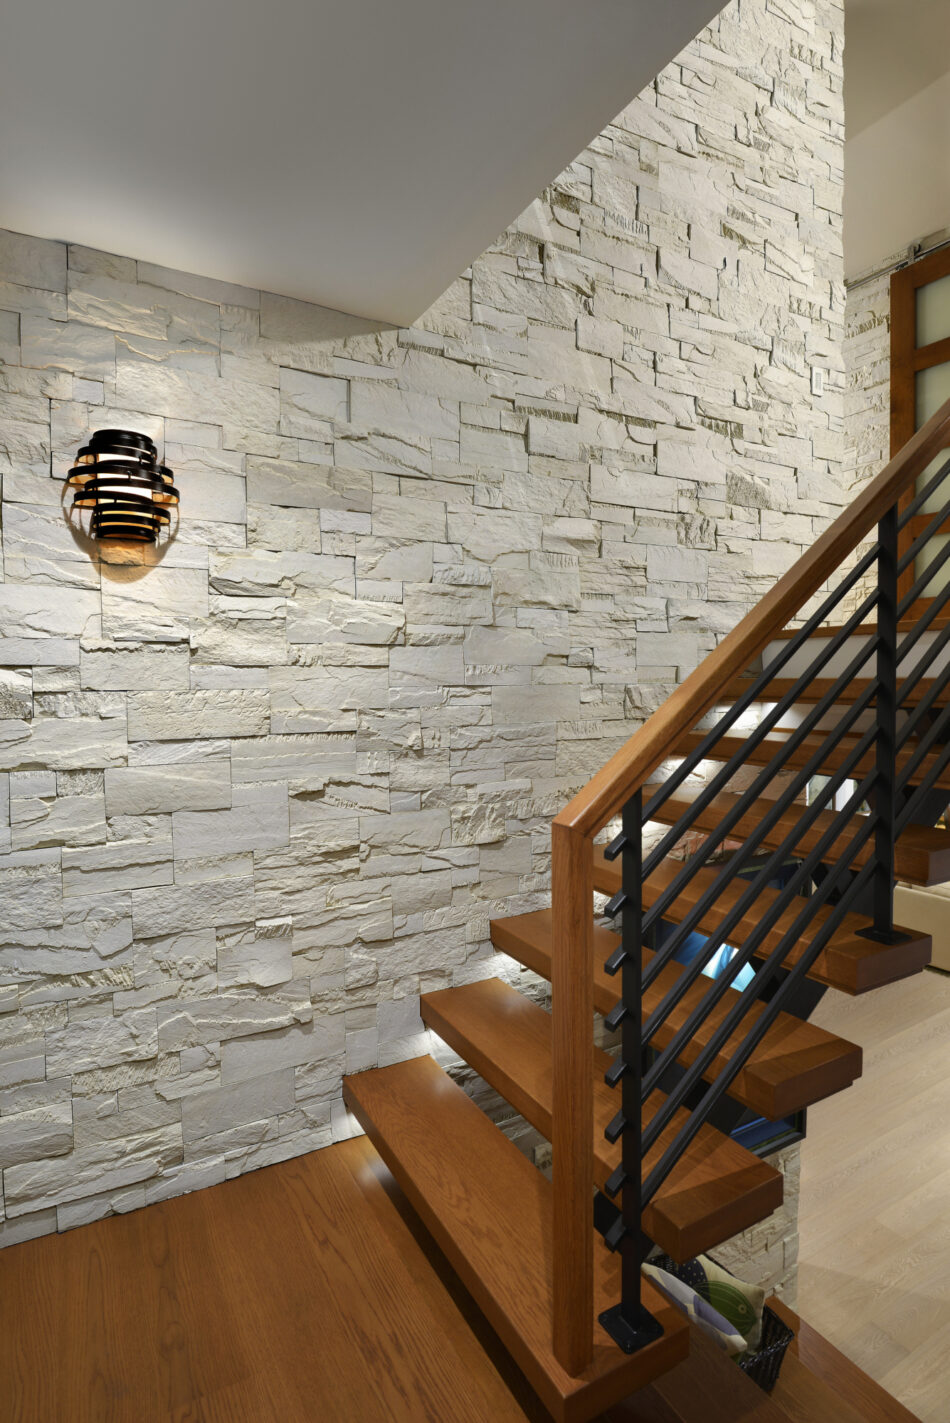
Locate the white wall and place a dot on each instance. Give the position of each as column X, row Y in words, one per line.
column 897, row 179
column 253, row 799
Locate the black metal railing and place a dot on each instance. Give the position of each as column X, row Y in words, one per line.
column 888, row 747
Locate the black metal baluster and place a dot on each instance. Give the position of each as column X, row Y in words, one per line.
column 629, row 1323
column 885, row 790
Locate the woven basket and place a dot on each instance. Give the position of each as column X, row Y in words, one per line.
column 762, row 1365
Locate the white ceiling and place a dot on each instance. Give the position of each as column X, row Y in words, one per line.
column 355, row 153
column 893, row 49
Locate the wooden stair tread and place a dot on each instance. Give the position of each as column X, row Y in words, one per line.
column 795, row 1065
column 489, row 1210
column 779, row 687
column 771, row 746
column 817, row 1384
column 921, row 856
column 815, row 1376
column 707, row 1387
column 716, row 1189
column 848, row 962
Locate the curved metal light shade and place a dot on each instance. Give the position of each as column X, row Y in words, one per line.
column 118, row 477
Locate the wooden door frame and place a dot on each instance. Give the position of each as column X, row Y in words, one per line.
column 906, row 360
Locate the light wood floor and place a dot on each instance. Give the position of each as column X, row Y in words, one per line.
column 875, row 1206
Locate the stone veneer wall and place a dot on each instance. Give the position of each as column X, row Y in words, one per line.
column 868, row 376
column 259, row 791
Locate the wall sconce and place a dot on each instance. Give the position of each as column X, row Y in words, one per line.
column 118, row 477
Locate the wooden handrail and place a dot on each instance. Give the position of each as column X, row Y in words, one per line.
column 631, row 766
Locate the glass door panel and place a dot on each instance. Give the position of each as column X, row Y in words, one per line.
column 920, row 385
column 931, row 389
column 933, row 312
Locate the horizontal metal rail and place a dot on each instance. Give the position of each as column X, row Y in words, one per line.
column 929, row 573
column 917, row 503
column 819, row 723
column 721, row 936
column 748, row 849
column 732, row 817
column 750, row 696
column 748, row 995
column 907, row 558
column 776, row 1004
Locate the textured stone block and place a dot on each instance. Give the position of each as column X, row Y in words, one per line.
column 36, row 1134
column 33, row 261
column 192, row 906
column 34, row 610
column 16, row 695
column 316, row 1041
column 122, row 864
column 151, row 790
column 308, row 402
column 207, row 1113
column 100, row 1042
column 117, row 667
column 336, row 619
column 324, row 698
column 31, row 889
column 41, row 1184
column 259, row 955
column 86, row 936
column 67, row 346
column 192, row 395
column 190, row 1022
column 266, row 574
column 173, row 716
column 257, row 819
column 65, row 820
column 308, row 486
column 154, row 606
column 62, row 743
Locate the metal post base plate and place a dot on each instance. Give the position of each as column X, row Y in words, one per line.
column 631, row 1329
column 882, row 936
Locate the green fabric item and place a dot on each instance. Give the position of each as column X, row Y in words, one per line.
column 742, row 1304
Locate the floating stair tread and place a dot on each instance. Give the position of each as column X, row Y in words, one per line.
column 834, row 756
column 715, row 1190
column 921, row 856
column 795, row 1065
column 779, row 687
column 490, row 1211
column 707, row 1387
column 848, row 962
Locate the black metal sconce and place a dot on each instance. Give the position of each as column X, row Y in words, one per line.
column 118, row 477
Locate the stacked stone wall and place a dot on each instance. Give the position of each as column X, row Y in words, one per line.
column 261, row 788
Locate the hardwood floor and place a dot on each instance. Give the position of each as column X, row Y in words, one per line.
column 875, row 1205
column 297, row 1294
column 309, row 1293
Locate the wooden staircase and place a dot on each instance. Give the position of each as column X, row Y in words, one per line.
column 730, row 852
